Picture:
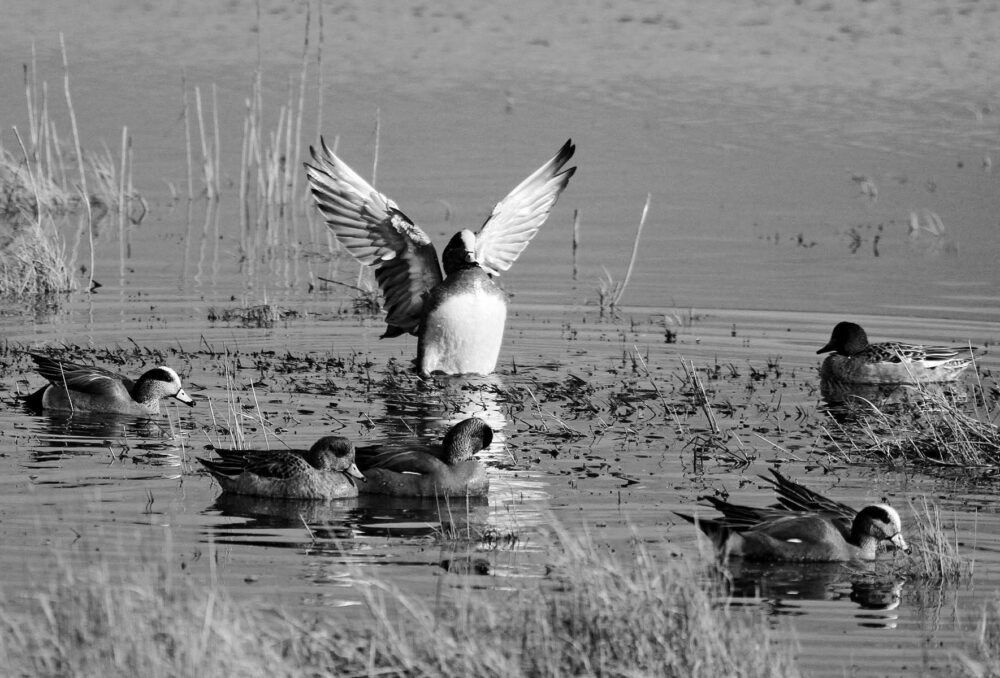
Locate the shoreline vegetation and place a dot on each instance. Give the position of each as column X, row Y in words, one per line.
column 590, row 614
column 45, row 187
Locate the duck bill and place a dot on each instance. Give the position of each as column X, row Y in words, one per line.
column 184, row 398
column 826, row 349
column 355, row 472
column 900, row 543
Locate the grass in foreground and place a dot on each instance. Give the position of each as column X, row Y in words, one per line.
column 931, row 429
column 936, row 556
column 593, row 615
column 987, row 643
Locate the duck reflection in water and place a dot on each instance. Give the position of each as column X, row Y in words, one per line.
column 785, row 589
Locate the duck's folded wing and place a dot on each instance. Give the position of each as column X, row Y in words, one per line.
column 375, row 232
column 516, row 219
column 82, row 378
column 406, row 461
column 278, row 464
column 795, row 497
column 740, row 516
column 795, row 529
column 931, row 354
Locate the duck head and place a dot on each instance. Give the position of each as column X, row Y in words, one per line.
column 879, row 522
column 847, row 339
column 460, row 252
column 335, row 453
column 161, row 382
column 465, row 439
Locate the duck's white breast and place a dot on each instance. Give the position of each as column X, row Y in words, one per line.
column 462, row 334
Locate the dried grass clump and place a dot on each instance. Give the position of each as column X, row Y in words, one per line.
column 930, row 429
column 43, row 186
column 21, row 193
column 594, row 615
column 33, row 262
column 101, row 621
column 259, row 315
column 935, row 555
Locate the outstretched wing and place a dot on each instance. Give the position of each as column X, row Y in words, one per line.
column 517, row 218
column 372, row 229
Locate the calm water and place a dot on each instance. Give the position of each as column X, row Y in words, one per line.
column 758, row 242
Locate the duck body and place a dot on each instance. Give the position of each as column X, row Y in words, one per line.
column 462, row 330
column 455, row 308
column 429, row 477
column 325, row 471
column 445, row 470
column 804, row 527
column 87, row 388
column 854, row 360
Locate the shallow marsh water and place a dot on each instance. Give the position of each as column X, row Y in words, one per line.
column 758, row 242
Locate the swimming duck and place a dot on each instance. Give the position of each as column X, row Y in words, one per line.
column 324, row 471
column 795, row 498
column 854, row 360
column 86, row 388
column 435, row 471
column 458, row 315
column 807, row 527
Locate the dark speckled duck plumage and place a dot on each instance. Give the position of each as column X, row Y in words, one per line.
column 854, row 360
column 324, row 471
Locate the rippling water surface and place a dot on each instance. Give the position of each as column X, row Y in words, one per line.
column 758, row 242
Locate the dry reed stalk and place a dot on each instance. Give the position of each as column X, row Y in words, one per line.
column 576, row 240
column 79, row 159
column 702, row 396
column 208, row 168
column 121, row 203
column 667, row 409
column 635, row 252
column 319, row 71
column 378, row 138
column 217, row 144
column 936, row 555
column 187, row 137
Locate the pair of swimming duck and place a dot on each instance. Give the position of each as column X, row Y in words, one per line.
column 331, row 468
